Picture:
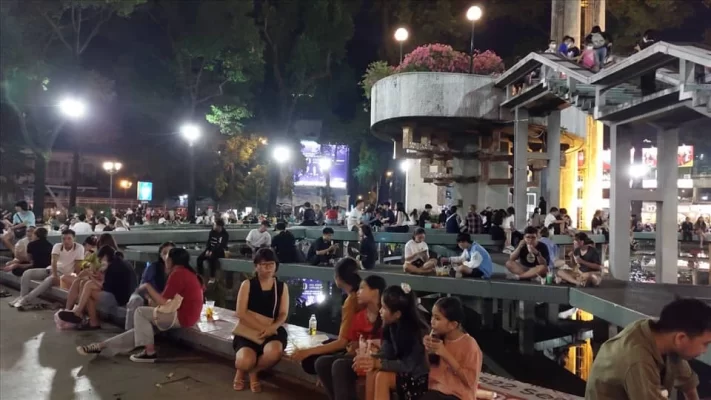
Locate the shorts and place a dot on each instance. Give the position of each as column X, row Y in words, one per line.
column 107, row 301
column 239, row 342
column 409, row 387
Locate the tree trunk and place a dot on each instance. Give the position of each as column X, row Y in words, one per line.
column 75, row 178
column 38, row 194
column 274, row 180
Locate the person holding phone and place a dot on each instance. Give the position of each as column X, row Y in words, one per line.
column 530, row 259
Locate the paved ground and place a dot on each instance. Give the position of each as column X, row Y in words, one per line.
column 38, row 362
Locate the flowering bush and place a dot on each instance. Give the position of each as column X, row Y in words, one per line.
column 434, row 58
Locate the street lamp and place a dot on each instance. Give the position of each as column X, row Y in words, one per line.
column 473, row 14
column 401, row 35
column 325, row 164
column 281, row 154
column 404, row 165
column 125, row 185
column 191, row 133
column 112, row 167
column 72, row 108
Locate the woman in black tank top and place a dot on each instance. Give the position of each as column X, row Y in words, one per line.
column 262, row 309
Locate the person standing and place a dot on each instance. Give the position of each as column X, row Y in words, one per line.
column 474, row 223
column 602, row 44
column 215, row 248
column 356, row 215
column 284, row 245
column 309, row 218
column 425, row 216
column 320, row 219
column 648, row 80
column 648, row 359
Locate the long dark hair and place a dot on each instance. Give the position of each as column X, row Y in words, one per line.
column 347, row 270
column 109, row 252
column 160, row 276
column 396, row 299
column 107, row 240
column 181, row 257
column 377, row 283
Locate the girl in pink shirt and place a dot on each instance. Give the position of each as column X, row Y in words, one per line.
column 455, row 357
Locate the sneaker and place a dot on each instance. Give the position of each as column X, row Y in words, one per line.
column 144, row 357
column 507, row 250
column 16, row 302
column 89, row 349
column 567, row 313
column 511, row 276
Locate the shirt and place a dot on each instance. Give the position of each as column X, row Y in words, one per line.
column 348, row 312
column 549, row 220
column 319, row 245
column 331, row 214
column 28, row 217
column 149, row 276
column 469, row 357
column 552, row 251
column 509, row 223
column 40, row 251
column 591, row 256
column 362, row 327
column 412, row 248
column 630, row 367
column 82, row 228
column 120, row 281
column 368, row 253
column 354, row 218
column 217, row 241
column 185, row 283
column 284, row 244
column 259, row 239
column 528, row 260
column 21, row 249
column 67, row 258
column 473, row 223
column 424, row 218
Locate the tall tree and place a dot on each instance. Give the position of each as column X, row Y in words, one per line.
column 305, row 41
column 42, row 44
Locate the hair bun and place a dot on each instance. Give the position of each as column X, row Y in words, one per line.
column 405, row 288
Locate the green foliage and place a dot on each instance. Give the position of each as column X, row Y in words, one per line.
column 229, row 118
column 369, row 166
column 376, row 71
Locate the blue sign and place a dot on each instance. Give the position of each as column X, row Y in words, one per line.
column 145, row 191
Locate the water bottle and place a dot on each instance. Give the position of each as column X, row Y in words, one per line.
column 312, row 325
column 433, row 358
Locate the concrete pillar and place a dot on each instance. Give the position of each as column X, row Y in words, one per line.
column 552, row 187
column 592, row 179
column 565, row 19
column 417, row 192
column 666, row 246
column 620, row 203
column 568, row 181
column 520, row 170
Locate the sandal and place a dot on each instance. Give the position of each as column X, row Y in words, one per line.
column 238, row 382
column 255, row 386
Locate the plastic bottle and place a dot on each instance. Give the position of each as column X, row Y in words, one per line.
column 313, row 325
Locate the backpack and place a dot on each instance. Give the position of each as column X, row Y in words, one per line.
column 61, row 324
column 597, row 40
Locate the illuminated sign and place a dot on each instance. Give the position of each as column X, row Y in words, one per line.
column 145, row 191
column 323, row 159
column 684, row 156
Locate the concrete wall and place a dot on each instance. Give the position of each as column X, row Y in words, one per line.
column 435, row 94
column 417, row 192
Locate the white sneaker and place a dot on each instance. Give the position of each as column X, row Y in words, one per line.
column 508, row 250
column 511, row 276
column 567, row 313
column 16, row 302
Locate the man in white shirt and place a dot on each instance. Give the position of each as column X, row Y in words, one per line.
column 257, row 238
column 355, row 216
column 82, row 227
column 417, row 255
column 65, row 263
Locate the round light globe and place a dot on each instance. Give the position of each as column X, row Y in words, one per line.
column 190, row 132
column 404, row 165
column 474, row 13
column 401, row 34
column 72, row 108
column 281, row 154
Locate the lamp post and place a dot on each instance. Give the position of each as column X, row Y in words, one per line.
column 388, row 174
column 325, row 164
column 191, row 133
column 401, row 35
column 73, row 109
column 281, row 155
column 112, row 167
column 125, row 185
column 473, row 14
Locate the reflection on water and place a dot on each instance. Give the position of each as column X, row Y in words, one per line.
column 692, row 264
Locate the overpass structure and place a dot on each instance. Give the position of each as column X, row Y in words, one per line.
column 681, row 100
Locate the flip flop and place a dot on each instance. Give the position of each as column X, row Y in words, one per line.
column 238, row 383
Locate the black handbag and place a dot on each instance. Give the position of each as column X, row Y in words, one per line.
column 21, row 231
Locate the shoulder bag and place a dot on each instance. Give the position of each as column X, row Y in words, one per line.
column 171, row 306
column 250, row 333
column 21, row 231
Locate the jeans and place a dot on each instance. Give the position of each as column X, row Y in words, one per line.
column 600, row 55
column 142, row 333
column 336, row 374
column 212, row 260
column 35, row 274
column 135, row 301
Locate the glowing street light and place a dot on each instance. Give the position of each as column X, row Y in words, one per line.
column 112, row 167
column 638, row 171
column 401, row 35
column 190, row 132
column 125, row 185
column 72, row 108
column 474, row 13
column 404, row 165
column 389, row 174
column 281, row 154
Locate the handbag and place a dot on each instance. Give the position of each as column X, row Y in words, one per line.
column 21, row 231
column 250, row 333
column 171, row 306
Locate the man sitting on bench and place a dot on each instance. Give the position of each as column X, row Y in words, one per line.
column 530, row 259
column 257, row 238
column 214, row 249
column 588, row 261
column 417, row 255
column 323, row 249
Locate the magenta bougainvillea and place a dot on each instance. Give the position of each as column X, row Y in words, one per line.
column 443, row 58
column 434, row 58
